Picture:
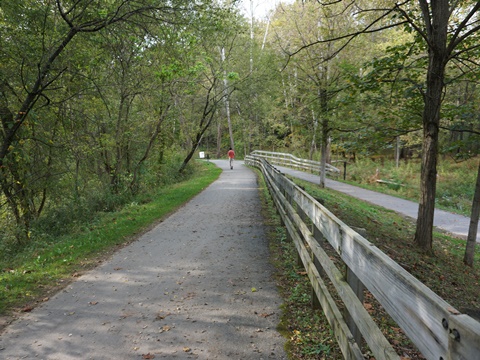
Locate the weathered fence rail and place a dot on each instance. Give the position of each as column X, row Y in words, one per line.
column 289, row 160
column 438, row 330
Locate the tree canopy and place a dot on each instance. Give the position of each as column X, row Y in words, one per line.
column 96, row 96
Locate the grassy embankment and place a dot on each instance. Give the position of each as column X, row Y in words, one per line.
column 33, row 274
column 308, row 332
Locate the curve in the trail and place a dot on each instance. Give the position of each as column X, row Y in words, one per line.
column 452, row 223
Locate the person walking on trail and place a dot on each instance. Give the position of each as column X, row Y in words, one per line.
column 231, row 156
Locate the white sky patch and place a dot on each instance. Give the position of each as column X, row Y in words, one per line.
column 261, row 9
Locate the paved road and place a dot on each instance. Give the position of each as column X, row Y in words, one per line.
column 450, row 222
column 198, row 286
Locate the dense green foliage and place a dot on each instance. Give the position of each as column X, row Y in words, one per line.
column 103, row 102
column 99, row 103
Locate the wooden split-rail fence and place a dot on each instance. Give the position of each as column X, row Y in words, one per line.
column 291, row 161
column 439, row 331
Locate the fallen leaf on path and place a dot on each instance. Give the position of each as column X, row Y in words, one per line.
column 148, row 356
column 161, row 317
column 187, row 349
column 253, row 289
column 27, row 308
column 265, row 315
column 93, row 303
column 166, row 328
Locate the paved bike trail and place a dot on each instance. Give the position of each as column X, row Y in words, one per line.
column 452, row 223
column 197, row 286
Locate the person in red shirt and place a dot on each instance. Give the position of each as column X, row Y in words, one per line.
column 231, row 156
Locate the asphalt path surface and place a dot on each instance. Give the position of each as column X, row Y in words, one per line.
column 197, row 286
column 452, row 223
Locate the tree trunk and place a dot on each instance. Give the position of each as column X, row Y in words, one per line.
column 219, row 139
column 206, row 120
column 313, row 145
column 428, row 184
column 437, row 36
column 194, row 147
column 196, row 142
column 473, row 228
column 323, row 158
column 325, row 134
column 227, row 101
column 397, row 151
column 154, row 136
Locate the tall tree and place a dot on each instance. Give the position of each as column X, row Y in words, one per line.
column 447, row 27
column 449, row 32
column 473, row 228
column 317, row 70
column 209, row 83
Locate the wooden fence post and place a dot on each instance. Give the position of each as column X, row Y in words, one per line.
column 357, row 288
column 317, row 234
column 303, row 216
